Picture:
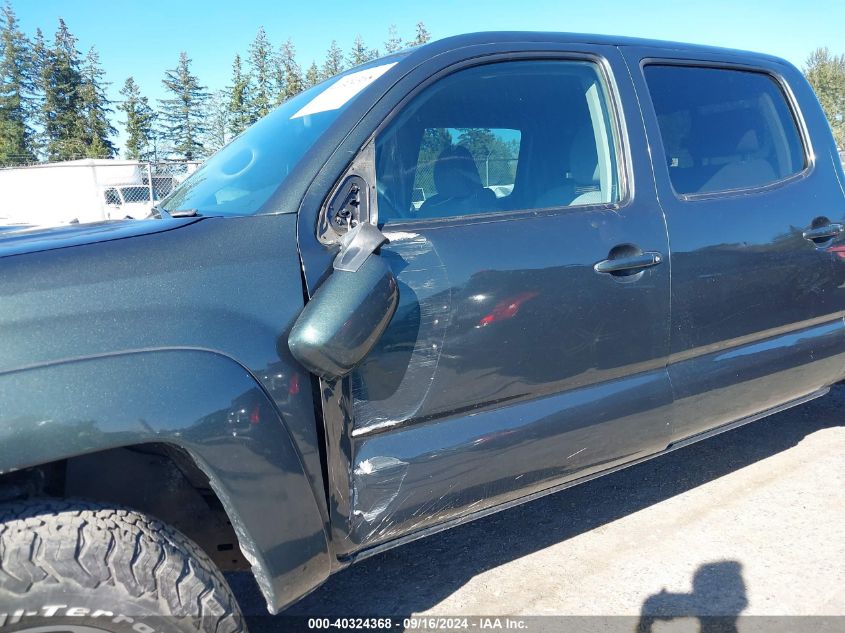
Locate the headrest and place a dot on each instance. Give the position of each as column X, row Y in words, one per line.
column 749, row 143
column 455, row 173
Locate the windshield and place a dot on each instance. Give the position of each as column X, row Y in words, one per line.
column 243, row 175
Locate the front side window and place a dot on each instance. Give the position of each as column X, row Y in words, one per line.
column 500, row 137
column 723, row 129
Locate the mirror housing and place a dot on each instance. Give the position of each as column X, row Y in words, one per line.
column 350, row 311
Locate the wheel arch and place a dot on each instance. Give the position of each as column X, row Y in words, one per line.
column 204, row 404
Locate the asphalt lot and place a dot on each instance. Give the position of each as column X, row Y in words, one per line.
column 749, row 522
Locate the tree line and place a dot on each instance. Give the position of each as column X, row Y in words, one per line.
column 54, row 106
column 53, row 103
column 826, row 74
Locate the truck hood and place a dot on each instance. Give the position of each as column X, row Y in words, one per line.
column 15, row 240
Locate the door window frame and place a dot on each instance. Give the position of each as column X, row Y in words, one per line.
column 618, row 126
column 791, row 102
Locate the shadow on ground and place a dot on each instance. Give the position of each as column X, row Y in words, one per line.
column 417, row 576
column 717, row 599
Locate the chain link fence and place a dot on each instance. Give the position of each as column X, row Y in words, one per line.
column 87, row 190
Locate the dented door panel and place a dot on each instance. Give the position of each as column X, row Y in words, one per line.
column 509, row 366
column 431, row 473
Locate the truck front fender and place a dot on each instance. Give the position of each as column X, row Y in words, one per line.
column 206, row 404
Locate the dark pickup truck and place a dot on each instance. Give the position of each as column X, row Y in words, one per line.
column 435, row 286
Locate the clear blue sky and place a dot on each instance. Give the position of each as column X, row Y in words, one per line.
column 143, row 38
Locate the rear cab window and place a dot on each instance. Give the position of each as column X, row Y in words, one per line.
column 723, row 129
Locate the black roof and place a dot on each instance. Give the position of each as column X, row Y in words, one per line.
column 503, row 37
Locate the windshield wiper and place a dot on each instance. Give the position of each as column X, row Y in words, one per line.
column 176, row 213
column 183, row 213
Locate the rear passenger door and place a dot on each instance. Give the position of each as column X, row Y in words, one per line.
column 755, row 216
column 529, row 346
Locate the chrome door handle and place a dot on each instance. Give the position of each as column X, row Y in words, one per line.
column 625, row 264
column 823, row 233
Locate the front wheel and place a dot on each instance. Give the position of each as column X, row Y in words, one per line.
column 81, row 565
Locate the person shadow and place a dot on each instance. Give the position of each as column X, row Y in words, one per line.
column 717, row 598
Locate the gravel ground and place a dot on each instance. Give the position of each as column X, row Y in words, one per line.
column 749, row 522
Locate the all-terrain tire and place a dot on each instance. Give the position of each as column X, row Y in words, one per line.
column 111, row 568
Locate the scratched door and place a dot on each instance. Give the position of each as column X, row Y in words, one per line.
column 512, row 365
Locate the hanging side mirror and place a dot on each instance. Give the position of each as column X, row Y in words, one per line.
column 350, row 311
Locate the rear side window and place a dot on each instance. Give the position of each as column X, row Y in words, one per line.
column 723, row 129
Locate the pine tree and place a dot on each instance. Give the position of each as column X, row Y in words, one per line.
column 62, row 105
column 293, row 81
column 95, row 108
column 334, row 61
column 218, row 118
column 278, row 76
column 40, row 72
column 183, row 114
column 238, row 93
column 261, row 67
column 826, row 74
column 312, row 75
column 422, row 35
column 139, row 122
column 394, row 42
column 16, row 92
column 360, row 54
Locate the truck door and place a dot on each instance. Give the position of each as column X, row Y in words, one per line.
column 530, row 341
column 755, row 215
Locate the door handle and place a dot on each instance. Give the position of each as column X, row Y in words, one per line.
column 618, row 265
column 823, row 233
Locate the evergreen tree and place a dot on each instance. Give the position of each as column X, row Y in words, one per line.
column 394, row 42
column 312, row 75
column 826, row 74
column 334, row 61
column 218, row 119
column 40, row 73
column 183, row 114
column 293, row 81
column 261, row 67
column 16, row 92
column 95, row 108
column 139, row 122
column 62, row 107
column 239, row 116
column 360, row 54
column 422, row 35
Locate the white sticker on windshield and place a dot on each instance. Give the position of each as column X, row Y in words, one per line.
column 342, row 90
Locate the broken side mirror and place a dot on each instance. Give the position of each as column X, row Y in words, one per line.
column 350, row 311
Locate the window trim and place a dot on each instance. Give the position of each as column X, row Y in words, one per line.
column 791, row 103
column 614, row 110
